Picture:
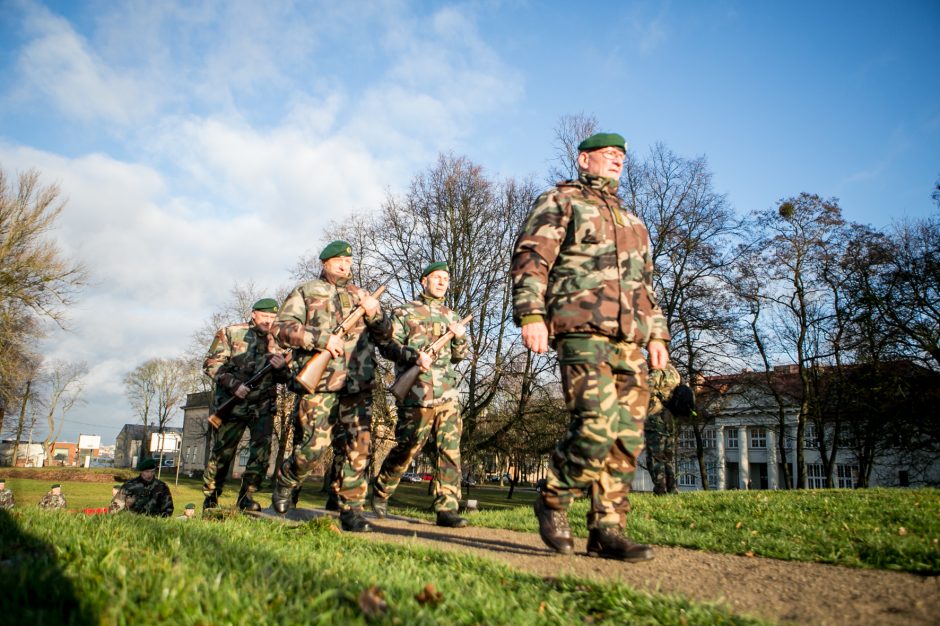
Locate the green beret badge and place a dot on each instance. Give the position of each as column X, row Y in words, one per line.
column 268, row 305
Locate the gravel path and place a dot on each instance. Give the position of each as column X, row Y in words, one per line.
column 783, row 591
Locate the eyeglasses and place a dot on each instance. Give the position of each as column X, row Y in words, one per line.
column 611, row 154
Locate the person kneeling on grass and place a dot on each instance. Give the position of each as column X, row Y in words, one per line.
column 54, row 499
column 144, row 495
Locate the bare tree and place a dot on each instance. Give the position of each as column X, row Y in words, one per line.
column 155, row 389
column 570, row 130
column 36, row 280
column 64, row 386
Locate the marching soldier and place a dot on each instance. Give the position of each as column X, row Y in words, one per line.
column 582, row 282
column 237, row 353
column 342, row 399
column 430, row 408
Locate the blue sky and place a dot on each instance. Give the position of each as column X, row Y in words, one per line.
column 199, row 145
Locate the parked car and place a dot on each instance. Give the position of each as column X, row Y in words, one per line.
column 410, row 477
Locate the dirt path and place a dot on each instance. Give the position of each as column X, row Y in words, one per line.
column 783, row 591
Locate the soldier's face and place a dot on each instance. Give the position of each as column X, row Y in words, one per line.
column 436, row 283
column 263, row 319
column 607, row 162
column 147, row 475
column 57, row 491
column 338, row 268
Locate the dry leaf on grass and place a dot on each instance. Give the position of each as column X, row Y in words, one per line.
column 429, row 595
column 372, row 602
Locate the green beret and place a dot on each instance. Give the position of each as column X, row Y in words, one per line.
column 268, row 305
column 336, row 248
column 116, row 486
column 147, row 464
column 190, row 506
column 603, row 140
column 434, row 266
column 57, row 485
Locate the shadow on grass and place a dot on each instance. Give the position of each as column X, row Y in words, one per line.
column 34, row 588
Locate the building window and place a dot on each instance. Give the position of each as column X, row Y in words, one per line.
column 846, row 476
column 758, row 437
column 732, row 439
column 711, row 471
column 810, row 438
column 688, row 473
column 243, row 457
column 710, row 438
column 687, row 439
column 815, row 476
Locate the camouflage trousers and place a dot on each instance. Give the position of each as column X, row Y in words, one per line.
column 415, row 425
column 259, row 420
column 660, row 433
column 605, row 387
column 326, row 417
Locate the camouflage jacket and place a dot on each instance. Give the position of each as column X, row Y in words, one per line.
column 311, row 313
column 6, row 499
column 52, row 501
column 153, row 498
column 582, row 262
column 237, row 352
column 416, row 325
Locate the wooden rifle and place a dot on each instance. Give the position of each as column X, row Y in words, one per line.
column 409, row 377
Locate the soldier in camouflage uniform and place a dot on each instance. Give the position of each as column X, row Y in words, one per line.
column 54, row 499
column 582, row 279
column 7, row 501
column 431, row 407
column 343, row 397
column 144, row 495
column 660, row 430
column 237, row 353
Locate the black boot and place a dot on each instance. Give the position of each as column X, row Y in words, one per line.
column 332, row 501
column 610, row 543
column 379, row 506
column 281, row 498
column 211, row 502
column 353, row 521
column 553, row 527
column 449, row 519
column 295, row 497
column 245, row 502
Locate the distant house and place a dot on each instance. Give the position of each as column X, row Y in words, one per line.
column 130, row 442
column 27, row 454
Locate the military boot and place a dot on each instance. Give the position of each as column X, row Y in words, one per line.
column 282, row 497
column 553, row 527
column 332, row 501
column 353, row 521
column 245, row 501
column 210, row 502
column 610, row 543
column 379, row 505
column 449, row 519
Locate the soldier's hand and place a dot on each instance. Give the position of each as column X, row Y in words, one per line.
column 535, row 336
column 659, row 355
column 241, row 392
column 335, row 346
column 424, row 361
column 370, row 304
column 277, row 361
column 459, row 330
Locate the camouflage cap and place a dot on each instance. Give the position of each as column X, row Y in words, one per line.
column 147, row 464
column 190, row 506
column 433, row 266
column 336, row 248
column 268, row 305
column 603, row 140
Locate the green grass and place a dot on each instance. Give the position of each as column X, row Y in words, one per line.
column 895, row 529
column 57, row 567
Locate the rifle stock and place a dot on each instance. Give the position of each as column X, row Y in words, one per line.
column 310, row 374
column 409, row 377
